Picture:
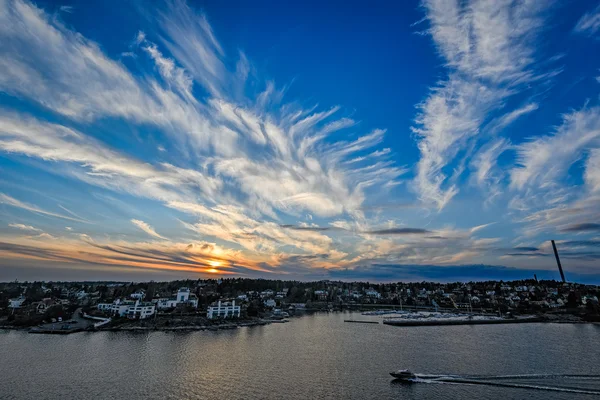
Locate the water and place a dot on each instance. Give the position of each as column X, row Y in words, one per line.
column 313, row 357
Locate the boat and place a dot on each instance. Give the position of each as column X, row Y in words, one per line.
column 403, row 374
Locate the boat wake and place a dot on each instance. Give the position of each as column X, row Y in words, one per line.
column 496, row 380
column 534, row 376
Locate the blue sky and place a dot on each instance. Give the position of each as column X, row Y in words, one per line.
column 420, row 140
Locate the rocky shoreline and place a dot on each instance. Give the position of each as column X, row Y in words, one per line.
column 137, row 328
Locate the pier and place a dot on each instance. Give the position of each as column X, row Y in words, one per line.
column 361, row 322
column 440, row 322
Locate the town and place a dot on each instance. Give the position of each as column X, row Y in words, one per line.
column 226, row 303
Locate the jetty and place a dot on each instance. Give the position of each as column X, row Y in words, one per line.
column 442, row 322
column 361, row 322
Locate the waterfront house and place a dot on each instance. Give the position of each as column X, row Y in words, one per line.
column 17, row 302
column 182, row 298
column 141, row 310
column 128, row 308
column 138, row 294
column 223, row 310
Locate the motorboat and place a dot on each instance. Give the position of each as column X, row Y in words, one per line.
column 403, row 374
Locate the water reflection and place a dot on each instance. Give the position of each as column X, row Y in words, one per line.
column 316, row 356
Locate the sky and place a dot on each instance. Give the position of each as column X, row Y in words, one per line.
column 437, row 140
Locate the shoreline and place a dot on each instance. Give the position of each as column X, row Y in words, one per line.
column 263, row 322
column 227, row 326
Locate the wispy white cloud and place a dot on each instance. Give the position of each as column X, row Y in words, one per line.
column 25, row 227
column 488, row 48
column 300, row 171
column 488, row 175
column 480, row 227
column 544, row 160
column 240, row 163
column 11, row 201
column 147, row 228
column 512, row 116
column 589, row 24
column 592, row 170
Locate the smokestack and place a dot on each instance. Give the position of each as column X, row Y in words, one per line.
column 535, row 277
column 562, row 274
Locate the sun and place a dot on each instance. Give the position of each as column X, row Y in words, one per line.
column 212, row 271
column 215, row 263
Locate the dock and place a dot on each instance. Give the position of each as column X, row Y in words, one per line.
column 425, row 322
column 55, row 331
column 361, row 322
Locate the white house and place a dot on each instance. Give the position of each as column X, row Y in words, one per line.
column 375, row 294
column 183, row 297
column 16, row 303
column 141, row 310
column 270, row 303
column 166, row 303
column 129, row 308
column 81, row 295
column 224, row 310
column 138, row 294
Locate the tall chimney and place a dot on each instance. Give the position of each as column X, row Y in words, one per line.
column 562, row 274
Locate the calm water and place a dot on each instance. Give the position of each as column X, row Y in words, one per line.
column 314, row 357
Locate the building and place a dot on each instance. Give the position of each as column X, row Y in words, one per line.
column 321, row 294
column 104, row 306
column 224, row 310
column 16, row 303
column 269, row 303
column 141, row 310
column 373, row 294
column 129, row 308
column 138, row 294
column 42, row 306
column 182, row 298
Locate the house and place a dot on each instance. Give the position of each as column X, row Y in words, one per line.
column 104, row 306
column 17, row 302
column 223, row 310
column 270, row 303
column 182, row 298
column 243, row 297
column 80, row 295
column 266, row 293
column 42, row 306
column 129, row 308
column 321, row 294
column 141, row 310
column 138, row 294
